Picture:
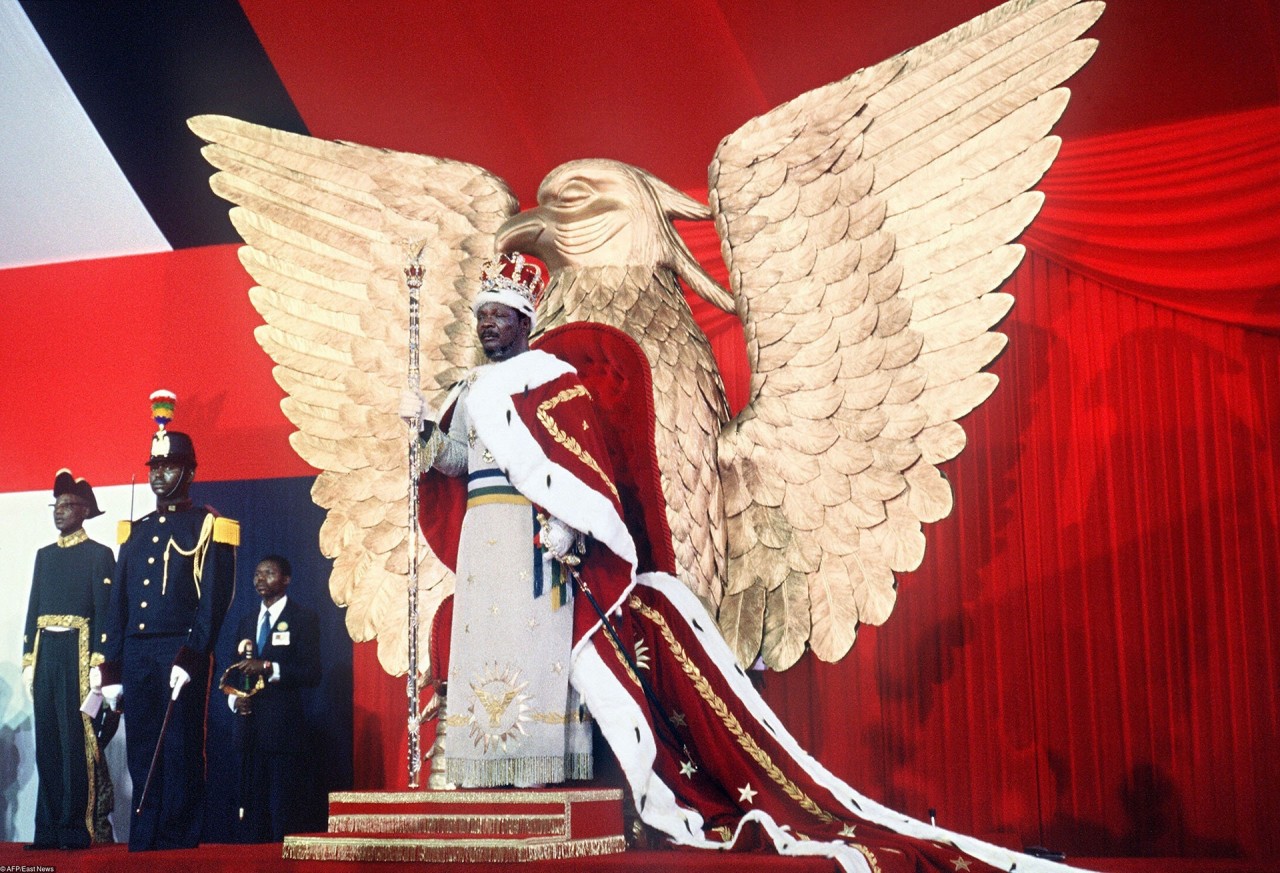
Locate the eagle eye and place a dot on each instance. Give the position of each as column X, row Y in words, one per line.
column 574, row 193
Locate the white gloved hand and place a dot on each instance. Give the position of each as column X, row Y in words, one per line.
column 29, row 680
column 558, row 538
column 178, row 678
column 414, row 408
column 95, row 678
column 111, row 694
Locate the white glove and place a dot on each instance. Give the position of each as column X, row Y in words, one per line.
column 414, row 408
column 558, row 538
column 111, row 694
column 29, row 680
column 95, row 678
column 178, row 678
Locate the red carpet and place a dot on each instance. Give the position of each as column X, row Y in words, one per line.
column 267, row 859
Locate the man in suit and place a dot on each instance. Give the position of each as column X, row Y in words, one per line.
column 281, row 644
column 174, row 580
column 68, row 596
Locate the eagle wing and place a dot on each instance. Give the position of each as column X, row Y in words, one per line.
column 329, row 227
column 866, row 226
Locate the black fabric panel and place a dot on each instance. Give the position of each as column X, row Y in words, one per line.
column 140, row 68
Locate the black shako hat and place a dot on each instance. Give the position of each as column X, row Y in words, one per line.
column 172, row 445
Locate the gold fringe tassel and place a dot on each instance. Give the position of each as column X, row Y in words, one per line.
column 491, row 825
column 447, row 851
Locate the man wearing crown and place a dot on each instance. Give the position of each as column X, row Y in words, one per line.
column 174, row 580
column 519, row 479
column 68, row 598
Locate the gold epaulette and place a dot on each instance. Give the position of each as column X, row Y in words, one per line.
column 226, row 530
column 123, row 528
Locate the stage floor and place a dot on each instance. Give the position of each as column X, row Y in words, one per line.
column 267, row 859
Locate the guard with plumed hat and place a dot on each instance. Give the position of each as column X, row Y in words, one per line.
column 69, row 591
column 173, row 584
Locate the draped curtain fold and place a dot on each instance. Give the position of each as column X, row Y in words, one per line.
column 1089, row 656
column 1184, row 215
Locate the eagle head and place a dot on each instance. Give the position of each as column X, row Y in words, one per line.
column 603, row 213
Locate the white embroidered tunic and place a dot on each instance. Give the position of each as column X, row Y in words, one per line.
column 512, row 717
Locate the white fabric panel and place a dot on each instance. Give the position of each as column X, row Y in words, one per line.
column 62, row 195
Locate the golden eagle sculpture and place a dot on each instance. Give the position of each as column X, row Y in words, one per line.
column 866, row 226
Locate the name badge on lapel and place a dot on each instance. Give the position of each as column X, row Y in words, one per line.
column 280, row 638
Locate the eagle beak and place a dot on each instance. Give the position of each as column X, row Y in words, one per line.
column 526, row 232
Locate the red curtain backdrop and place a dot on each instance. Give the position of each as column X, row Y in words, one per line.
column 1089, row 657
column 1185, row 215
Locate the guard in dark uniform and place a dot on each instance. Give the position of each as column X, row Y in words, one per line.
column 174, row 581
column 68, row 598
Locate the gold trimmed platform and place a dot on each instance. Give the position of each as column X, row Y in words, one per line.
column 466, row 825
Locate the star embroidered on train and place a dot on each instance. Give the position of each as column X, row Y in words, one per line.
column 677, row 718
column 688, row 769
column 747, row 794
column 960, row 864
column 847, row 831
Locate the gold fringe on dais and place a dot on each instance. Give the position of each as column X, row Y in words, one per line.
column 325, row 848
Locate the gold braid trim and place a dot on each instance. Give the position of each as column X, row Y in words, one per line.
column 481, row 796
column 80, row 626
column 622, row 659
column 575, row 717
column 73, row 539
column 544, row 416
column 197, row 554
column 730, row 721
column 867, row 853
column 329, row 848
column 549, row 717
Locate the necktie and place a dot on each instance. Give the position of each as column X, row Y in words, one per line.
column 264, row 627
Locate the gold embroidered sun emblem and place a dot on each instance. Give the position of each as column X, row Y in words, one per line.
column 499, row 710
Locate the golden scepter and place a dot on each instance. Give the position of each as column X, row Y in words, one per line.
column 413, row 279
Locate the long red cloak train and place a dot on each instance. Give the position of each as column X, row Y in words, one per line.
column 709, row 764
